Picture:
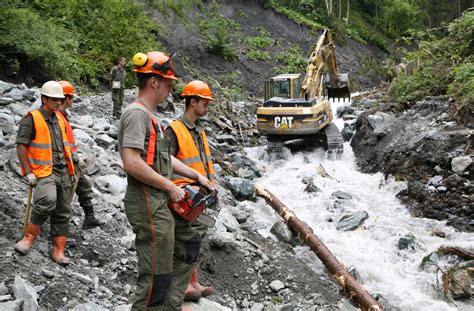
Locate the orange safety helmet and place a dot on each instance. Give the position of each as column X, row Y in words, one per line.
column 197, row 88
column 68, row 89
column 155, row 62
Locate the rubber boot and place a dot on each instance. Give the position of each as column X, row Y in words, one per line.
column 58, row 250
column 24, row 246
column 191, row 294
column 90, row 221
column 205, row 291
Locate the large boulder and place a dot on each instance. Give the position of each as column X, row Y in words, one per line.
column 352, row 221
column 242, row 189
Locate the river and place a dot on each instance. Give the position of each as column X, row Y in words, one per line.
column 372, row 248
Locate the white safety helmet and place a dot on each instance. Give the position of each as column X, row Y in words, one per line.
column 52, row 89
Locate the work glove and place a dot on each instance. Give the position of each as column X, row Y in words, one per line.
column 31, row 179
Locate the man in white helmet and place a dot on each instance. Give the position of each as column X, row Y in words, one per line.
column 46, row 162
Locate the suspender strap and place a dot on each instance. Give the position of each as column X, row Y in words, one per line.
column 150, row 156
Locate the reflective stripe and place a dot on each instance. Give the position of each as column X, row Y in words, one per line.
column 40, row 146
column 40, row 162
column 191, row 160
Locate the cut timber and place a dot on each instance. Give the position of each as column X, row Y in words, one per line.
column 352, row 288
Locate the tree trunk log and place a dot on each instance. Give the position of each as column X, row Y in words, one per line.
column 353, row 289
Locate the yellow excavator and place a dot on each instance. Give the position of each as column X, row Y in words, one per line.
column 294, row 110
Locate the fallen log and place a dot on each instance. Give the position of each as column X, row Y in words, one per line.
column 352, row 288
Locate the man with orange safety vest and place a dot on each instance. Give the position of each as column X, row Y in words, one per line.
column 165, row 249
column 188, row 143
column 83, row 186
column 46, row 161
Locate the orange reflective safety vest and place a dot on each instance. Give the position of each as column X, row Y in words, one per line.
column 189, row 154
column 40, row 149
column 69, row 134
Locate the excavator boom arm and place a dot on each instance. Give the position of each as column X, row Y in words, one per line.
column 323, row 58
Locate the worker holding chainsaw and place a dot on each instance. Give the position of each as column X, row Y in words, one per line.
column 189, row 144
column 46, row 162
column 163, row 274
column 83, row 186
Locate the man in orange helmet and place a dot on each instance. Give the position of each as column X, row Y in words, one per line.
column 188, row 143
column 162, row 273
column 46, row 161
column 83, row 186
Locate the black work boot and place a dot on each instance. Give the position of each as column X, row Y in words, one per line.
column 90, row 221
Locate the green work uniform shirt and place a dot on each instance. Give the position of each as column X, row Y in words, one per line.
column 118, row 74
column 27, row 132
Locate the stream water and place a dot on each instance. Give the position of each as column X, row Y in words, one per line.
column 372, row 248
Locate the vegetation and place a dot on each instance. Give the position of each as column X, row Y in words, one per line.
column 293, row 60
column 445, row 65
column 75, row 40
column 219, row 33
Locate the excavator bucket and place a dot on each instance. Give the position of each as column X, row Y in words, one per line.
column 340, row 92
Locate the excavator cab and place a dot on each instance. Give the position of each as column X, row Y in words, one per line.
column 284, row 86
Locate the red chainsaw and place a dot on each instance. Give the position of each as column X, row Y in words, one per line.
column 195, row 201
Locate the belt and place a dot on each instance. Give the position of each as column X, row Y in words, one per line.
column 59, row 166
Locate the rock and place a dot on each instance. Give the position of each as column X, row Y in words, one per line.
column 375, row 121
column 307, row 179
column 7, row 123
column 113, row 184
column 13, row 162
column 3, row 288
column 90, row 306
column 84, row 137
column 47, row 273
column 341, row 195
column 82, row 278
column 257, row 307
column 283, row 233
column 100, row 124
column 105, row 140
column 12, row 305
column 245, row 303
column 6, row 298
column 367, row 103
column 343, row 110
column 241, row 216
column 438, row 232
column 5, row 87
column 2, row 140
column 25, row 292
column 276, row 285
column 352, row 221
column 311, row 188
column 229, row 221
column 406, row 241
column 242, row 189
column 128, row 241
column 460, row 164
column 435, row 181
column 226, row 139
column 5, row 101
column 460, row 280
column 221, row 239
column 442, row 189
column 347, row 132
column 204, row 304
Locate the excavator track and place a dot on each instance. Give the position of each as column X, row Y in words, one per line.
column 335, row 142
